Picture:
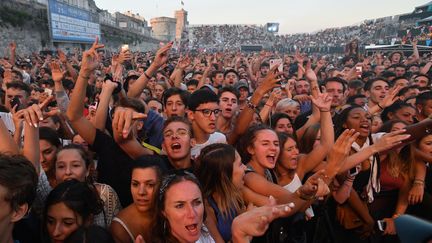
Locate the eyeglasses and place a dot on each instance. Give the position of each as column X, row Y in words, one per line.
column 178, row 133
column 208, row 112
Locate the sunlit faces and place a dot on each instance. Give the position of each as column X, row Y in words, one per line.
column 405, row 114
column 400, row 71
column 284, row 125
column 47, row 154
column 244, row 93
column 292, row 110
column 18, row 93
column 177, row 141
column 184, row 210
column 238, row 171
column 230, row 78
column 61, row 222
column 378, row 91
column 359, row 120
column 143, row 183
column 158, row 91
column 265, row 148
column 155, row 106
column 425, row 144
column 401, row 82
column 289, row 155
column 426, row 108
column 421, row 81
column 174, row 106
column 302, row 87
column 376, row 123
column 205, row 123
column 228, row 104
column 336, row 91
column 398, row 126
column 70, row 165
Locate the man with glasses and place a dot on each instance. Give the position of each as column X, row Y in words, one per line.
column 203, row 112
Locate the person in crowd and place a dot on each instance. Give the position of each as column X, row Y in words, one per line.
column 228, row 101
column 221, row 172
column 137, row 218
column 69, row 205
column 175, row 102
column 179, row 210
column 203, row 112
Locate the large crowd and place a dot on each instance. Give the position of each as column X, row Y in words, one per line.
column 329, row 40
column 215, row 146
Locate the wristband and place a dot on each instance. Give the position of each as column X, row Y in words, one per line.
column 148, row 77
column 268, row 105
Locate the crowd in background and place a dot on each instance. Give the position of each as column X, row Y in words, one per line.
column 216, row 146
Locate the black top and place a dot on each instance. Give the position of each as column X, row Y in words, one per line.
column 114, row 166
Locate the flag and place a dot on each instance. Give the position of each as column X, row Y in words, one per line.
column 182, row 3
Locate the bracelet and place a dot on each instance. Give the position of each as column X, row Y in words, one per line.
column 380, row 106
column 396, row 215
column 418, row 182
column 268, row 105
column 303, row 196
column 148, row 77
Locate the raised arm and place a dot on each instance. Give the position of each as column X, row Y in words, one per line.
column 104, row 99
column 318, row 154
column 61, row 97
column 76, row 108
column 71, row 70
column 247, row 113
column 160, row 59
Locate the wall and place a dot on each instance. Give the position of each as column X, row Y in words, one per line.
column 27, row 25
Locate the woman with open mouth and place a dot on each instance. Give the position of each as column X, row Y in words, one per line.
column 179, row 210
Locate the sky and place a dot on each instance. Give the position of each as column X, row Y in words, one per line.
column 294, row 16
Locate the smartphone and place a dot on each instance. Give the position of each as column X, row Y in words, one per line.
column 274, row 62
column 381, row 225
column 125, row 48
column 15, row 101
column 353, row 171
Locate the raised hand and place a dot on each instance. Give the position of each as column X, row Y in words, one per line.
column 340, row 150
column 270, row 80
column 122, row 123
column 390, row 140
column 255, row 221
column 183, row 62
column 33, row 114
column 391, row 97
column 57, row 73
column 322, row 102
column 62, row 56
column 90, row 59
column 125, row 56
column 162, row 55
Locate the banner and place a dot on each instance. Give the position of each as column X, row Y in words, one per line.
column 72, row 24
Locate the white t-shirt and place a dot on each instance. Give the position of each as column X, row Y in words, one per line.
column 215, row 137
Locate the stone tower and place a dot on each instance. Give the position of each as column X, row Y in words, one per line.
column 181, row 22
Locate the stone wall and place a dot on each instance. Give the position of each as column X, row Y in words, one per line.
column 27, row 25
